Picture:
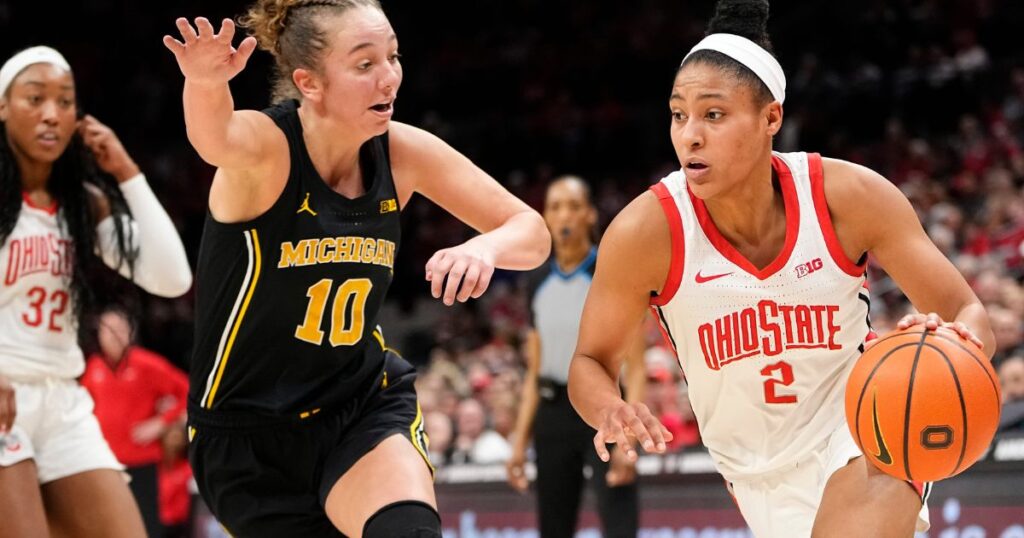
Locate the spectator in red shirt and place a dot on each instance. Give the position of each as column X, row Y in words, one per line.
column 174, row 476
column 139, row 395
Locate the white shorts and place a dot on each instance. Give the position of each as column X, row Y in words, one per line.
column 784, row 504
column 55, row 426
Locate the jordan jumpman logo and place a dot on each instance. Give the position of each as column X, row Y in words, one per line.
column 305, row 207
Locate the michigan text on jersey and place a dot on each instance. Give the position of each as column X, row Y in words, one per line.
column 345, row 249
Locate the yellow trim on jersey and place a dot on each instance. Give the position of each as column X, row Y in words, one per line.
column 383, row 346
column 191, row 433
column 238, row 320
column 380, row 338
column 419, row 437
column 307, row 414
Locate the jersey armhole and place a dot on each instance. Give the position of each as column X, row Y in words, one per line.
column 291, row 182
column 835, row 249
column 675, row 226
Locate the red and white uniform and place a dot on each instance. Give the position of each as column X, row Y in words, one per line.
column 39, row 353
column 38, row 332
column 766, row 351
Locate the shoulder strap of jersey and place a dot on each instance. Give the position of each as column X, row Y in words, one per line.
column 380, row 146
column 817, row 174
column 675, row 226
column 286, row 117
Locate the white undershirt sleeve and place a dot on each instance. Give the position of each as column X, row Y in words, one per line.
column 161, row 266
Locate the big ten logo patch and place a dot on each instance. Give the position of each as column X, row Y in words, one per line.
column 388, row 206
column 805, row 269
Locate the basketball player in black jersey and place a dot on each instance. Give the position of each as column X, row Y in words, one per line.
column 302, row 421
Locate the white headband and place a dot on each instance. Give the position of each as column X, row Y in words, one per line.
column 25, row 58
column 751, row 55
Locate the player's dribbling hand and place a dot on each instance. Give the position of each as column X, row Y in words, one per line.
column 470, row 264
column 209, row 58
column 516, row 470
column 627, row 424
column 8, row 407
column 933, row 322
column 110, row 154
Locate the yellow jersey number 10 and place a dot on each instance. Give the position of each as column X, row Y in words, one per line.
column 344, row 332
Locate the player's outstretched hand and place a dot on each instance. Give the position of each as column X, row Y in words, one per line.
column 933, row 321
column 627, row 424
column 208, row 58
column 468, row 268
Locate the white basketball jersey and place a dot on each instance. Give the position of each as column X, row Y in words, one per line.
column 38, row 330
column 766, row 352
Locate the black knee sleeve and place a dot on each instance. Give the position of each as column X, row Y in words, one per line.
column 404, row 519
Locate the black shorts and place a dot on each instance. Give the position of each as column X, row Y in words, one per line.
column 273, row 481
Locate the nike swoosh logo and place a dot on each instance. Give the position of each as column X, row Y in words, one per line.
column 702, row 279
column 883, row 451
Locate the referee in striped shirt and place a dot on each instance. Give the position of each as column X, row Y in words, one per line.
column 562, row 441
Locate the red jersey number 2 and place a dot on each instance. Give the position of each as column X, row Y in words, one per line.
column 58, row 302
column 770, row 384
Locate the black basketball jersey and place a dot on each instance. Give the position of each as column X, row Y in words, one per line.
column 287, row 303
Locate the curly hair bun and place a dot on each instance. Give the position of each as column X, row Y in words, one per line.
column 745, row 18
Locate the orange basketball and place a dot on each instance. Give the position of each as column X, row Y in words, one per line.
column 922, row 405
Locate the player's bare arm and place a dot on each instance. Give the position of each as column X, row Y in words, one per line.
column 615, row 307
column 223, row 136
column 238, row 142
column 872, row 215
column 513, row 236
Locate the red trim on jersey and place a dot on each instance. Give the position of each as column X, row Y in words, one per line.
column 675, row 226
column 52, row 209
column 825, row 219
column 918, row 487
column 664, row 333
column 726, row 249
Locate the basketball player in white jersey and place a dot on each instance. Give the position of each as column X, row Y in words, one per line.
column 69, row 195
column 754, row 262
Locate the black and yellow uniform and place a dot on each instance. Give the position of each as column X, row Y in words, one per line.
column 291, row 382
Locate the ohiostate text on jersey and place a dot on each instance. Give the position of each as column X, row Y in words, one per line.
column 769, row 329
column 37, row 254
column 345, row 249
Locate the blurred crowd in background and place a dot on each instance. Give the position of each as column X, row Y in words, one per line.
column 928, row 93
